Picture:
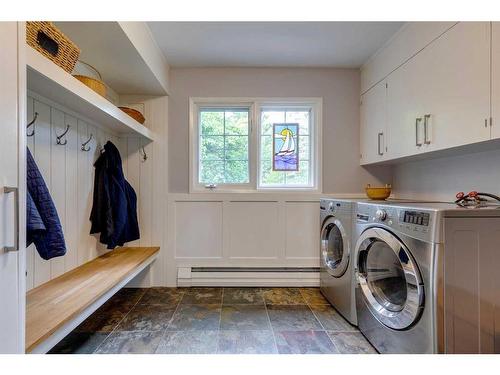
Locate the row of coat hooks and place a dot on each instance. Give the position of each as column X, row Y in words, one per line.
column 59, row 138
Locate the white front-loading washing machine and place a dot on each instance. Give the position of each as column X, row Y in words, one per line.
column 336, row 256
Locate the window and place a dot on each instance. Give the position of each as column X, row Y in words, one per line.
column 255, row 144
column 223, row 145
column 285, row 129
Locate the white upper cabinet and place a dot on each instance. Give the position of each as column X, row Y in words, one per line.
column 455, row 84
column 439, row 98
column 373, row 109
column 495, row 80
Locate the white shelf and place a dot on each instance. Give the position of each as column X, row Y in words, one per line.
column 54, row 83
column 125, row 54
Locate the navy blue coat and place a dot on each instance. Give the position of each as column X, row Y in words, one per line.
column 114, row 209
column 43, row 227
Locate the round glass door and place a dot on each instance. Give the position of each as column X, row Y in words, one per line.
column 334, row 247
column 389, row 279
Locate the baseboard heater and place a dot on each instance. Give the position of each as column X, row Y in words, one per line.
column 248, row 276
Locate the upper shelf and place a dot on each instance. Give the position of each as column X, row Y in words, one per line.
column 49, row 80
column 125, row 54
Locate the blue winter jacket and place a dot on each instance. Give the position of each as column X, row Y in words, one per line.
column 43, row 227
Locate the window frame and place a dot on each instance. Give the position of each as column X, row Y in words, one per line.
column 255, row 104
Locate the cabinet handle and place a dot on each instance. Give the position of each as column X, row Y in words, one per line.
column 380, row 152
column 15, row 190
column 417, row 123
column 427, row 140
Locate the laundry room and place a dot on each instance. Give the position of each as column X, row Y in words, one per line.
column 214, row 185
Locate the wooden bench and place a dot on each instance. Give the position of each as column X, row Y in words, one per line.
column 57, row 307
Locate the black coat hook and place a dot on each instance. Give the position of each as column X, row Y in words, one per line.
column 59, row 137
column 84, row 144
column 144, row 155
column 32, row 122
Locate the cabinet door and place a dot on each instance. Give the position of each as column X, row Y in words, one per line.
column 11, row 293
column 456, row 87
column 373, row 124
column 495, row 80
column 472, row 281
column 404, row 109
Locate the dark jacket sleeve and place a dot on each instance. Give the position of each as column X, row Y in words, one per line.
column 50, row 243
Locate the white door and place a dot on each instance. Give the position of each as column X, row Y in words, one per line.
column 373, row 124
column 456, row 87
column 495, row 80
column 11, row 287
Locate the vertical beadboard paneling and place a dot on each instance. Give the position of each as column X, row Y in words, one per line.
column 30, row 250
column 82, row 195
column 42, row 158
column 58, row 180
column 134, row 175
column 144, row 196
column 72, row 149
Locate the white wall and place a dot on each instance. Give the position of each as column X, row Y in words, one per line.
column 69, row 174
column 440, row 179
column 339, row 89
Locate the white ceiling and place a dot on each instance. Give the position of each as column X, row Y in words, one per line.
column 268, row 44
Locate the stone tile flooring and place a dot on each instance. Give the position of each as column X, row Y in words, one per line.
column 216, row 320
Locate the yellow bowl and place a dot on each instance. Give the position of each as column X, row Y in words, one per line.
column 378, row 193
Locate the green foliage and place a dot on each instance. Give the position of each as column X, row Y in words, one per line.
column 224, row 147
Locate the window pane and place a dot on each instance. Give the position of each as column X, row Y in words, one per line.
column 302, row 117
column 304, row 147
column 224, row 149
column 212, row 122
column 236, row 123
column 301, row 177
column 212, row 147
column 211, row 171
column 268, row 118
column 236, row 172
column 236, row 148
column 266, row 147
column 290, row 116
column 270, row 177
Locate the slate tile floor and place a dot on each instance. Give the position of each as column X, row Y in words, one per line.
column 216, row 320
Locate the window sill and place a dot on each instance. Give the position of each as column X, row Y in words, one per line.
column 253, row 191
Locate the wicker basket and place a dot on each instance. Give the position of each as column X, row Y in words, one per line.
column 136, row 115
column 95, row 84
column 52, row 43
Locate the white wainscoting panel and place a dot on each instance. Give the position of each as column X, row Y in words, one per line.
column 242, row 230
column 254, row 230
column 198, row 230
column 302, row 230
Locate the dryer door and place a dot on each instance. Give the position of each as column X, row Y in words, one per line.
column 335, row 249
column 389, row 279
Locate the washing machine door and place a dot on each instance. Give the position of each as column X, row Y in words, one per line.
column 389, row 279
column 335, row 249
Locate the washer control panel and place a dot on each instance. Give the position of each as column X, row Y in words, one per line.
column 416, row 223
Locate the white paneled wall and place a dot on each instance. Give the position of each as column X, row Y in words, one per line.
column 69, row 173
column 242, row 230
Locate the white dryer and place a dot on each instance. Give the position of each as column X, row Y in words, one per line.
column 336, row 254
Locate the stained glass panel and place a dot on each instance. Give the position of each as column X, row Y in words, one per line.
column 286, row 147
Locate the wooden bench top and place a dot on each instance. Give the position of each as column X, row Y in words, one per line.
column 51, row 305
